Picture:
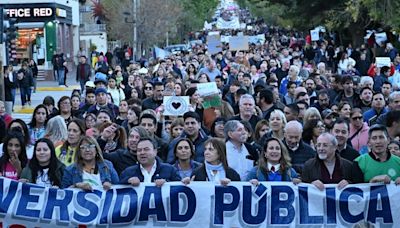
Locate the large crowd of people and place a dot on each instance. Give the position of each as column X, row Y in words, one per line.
column 291, row 109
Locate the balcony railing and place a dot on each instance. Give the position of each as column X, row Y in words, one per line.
column 92, row 28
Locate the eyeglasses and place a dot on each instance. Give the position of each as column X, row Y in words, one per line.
column 183, row 147
column 148, row 88
column 356, row 117
column 321, row 125
column 87, row 146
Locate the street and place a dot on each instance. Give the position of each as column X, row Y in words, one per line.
column 44, row 88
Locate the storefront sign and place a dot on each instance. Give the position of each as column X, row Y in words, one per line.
column 30, row 12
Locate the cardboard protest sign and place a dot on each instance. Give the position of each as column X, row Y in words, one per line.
column 175, row 105
column 207, row 89
column 211, row 101
column 239, row 43
column 214, row 44
column 382, row 61
column 314, row 34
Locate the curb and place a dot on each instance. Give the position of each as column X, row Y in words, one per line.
column 19, row 110
column 70, row 88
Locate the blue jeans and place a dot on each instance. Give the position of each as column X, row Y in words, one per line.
column 82, row 82
column 61, row 75
column 25, row 95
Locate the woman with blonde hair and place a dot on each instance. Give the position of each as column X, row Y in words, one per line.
column 277, row 122
column 311, row 114
column 89, row 171
column 274, row 165
column 56, row 131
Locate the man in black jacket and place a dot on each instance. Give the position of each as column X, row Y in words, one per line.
column 150, row 168
column 83, row 72
column 341, row 131
column 125, row 158
column 299, row 151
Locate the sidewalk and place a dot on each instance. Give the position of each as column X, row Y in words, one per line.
column 45, row 88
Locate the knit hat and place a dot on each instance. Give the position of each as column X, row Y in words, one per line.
column 100, row 77
column 100, row 90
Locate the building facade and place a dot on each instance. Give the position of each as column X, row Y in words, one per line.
column 45, row 28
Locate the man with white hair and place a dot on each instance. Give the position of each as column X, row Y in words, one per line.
column 293, row 76
column 299, row 151
column 247, row 111
column 327, row 167
column 240, row 155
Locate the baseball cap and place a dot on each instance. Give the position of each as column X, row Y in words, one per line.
column 90, row 84
column 327, row 112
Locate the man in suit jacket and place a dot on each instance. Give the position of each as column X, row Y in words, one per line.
column 150, row 168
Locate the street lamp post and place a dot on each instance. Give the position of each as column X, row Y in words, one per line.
column 135, row 4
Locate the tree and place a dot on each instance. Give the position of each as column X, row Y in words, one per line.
column 157, row 19
column 352, row 17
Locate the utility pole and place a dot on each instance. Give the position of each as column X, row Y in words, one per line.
column 135, row 2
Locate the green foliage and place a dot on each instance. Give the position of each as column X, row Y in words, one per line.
column 196, row 12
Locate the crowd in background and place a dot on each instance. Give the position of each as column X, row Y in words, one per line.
column 291, row 109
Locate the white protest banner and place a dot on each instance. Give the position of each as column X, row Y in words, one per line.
column 201, row 204
column 214, row 44
column 239, row 43
column 175, row 105
column 234, row 23
column 207, row 89
column 382, row 61
column 314, row 34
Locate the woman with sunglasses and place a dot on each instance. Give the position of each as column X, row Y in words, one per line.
column 148, row 90
column 44, row 169
column 184, row 155
column 89, row 171
column 358, row 134
column 66, row 152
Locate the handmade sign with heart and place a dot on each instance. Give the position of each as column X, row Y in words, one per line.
column 175, row 105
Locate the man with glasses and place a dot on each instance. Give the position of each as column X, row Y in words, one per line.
column 341, row 130
column 378, row 166
column 327, row 167
column 156, row 100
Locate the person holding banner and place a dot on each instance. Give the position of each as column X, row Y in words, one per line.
column 14, row 157
column 274, row 165
column 150, row 168
column 44, row 169
column 66, row 152
column 184, row 155
column 378, row 165
column 215, row 167
column 89, row 171
column 328, row 167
